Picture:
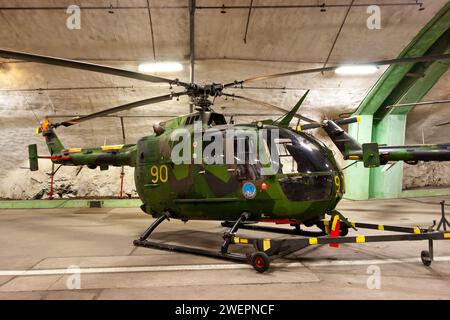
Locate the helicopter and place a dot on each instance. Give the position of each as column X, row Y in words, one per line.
column 294, row 179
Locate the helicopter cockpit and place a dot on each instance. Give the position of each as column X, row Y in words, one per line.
column 308, row 166
column 301, row 153
column 305, row 168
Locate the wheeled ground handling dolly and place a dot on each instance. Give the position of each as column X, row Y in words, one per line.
column 267, row 250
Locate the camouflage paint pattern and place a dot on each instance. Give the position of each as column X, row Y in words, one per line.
column 201, row 191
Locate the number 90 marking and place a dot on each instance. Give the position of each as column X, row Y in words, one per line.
column 160, row 174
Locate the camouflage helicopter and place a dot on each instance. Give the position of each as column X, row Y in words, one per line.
column 307, row 185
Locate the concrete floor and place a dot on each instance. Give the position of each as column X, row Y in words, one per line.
column 38, row 246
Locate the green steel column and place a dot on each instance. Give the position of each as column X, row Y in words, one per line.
column 388, row 184
column 357, row 177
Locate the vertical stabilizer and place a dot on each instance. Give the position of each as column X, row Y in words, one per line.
column 51, row 139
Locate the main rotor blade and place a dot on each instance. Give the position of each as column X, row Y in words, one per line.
column 332, row 68
column 267, row 105
column 87, row 66
column 124, row 107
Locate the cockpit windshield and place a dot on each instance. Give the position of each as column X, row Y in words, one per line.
column 298, row 153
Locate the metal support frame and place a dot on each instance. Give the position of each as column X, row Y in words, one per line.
column 393, row 3
column 282, row 247
column 52, row 176
column 338, row 34
column 228, row 235
column 443, row 223
column 192, row 8
column 248, row 21
column 269, row 249
column 122, row 171
column 151, row 29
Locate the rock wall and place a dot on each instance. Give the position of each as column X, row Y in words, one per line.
column 421, row 127
column 426, row 174
column 23, row 184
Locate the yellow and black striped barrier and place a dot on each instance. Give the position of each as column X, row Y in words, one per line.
column 381, row 227
column 380, row 238
column 277, row 246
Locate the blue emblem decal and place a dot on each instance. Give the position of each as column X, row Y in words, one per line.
column 249, row 190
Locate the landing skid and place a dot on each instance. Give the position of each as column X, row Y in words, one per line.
column 191, row 250
column 267, row 250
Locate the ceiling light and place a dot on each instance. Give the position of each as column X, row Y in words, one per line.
column 356, row 70
column 160, row 67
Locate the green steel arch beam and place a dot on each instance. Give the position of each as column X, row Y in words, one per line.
column 398, row 84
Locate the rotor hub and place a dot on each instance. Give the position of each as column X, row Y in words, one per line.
column 200, row 95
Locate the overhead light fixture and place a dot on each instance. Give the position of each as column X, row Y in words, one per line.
column 356, row 70
column 148, row 67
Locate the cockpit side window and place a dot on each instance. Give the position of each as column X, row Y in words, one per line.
column 287, row 161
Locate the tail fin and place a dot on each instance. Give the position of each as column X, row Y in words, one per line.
column 51, row 139
column 343, row 141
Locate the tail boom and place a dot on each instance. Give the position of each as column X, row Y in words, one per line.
column 409, row 154
column 117, row 155
column 374, row 155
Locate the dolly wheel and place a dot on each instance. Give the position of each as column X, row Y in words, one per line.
column 260, row 261
column 344, row 230
column 426, row 258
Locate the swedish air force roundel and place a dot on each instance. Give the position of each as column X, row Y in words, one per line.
column 249, row 190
